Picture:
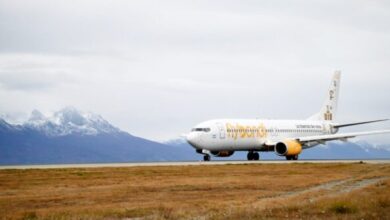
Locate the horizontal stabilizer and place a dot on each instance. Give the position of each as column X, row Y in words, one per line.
column 357, row 123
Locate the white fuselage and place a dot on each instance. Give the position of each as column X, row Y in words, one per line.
column 252, row 134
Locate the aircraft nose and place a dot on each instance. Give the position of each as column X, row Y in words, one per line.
column 193, row 139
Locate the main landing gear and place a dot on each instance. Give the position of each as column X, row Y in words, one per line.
column 206, row 157
column 253, row 155
column 292, row 157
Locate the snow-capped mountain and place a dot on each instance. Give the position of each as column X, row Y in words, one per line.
column 69, row 121
column 5, row 126
column 71, row 136
column 176, row 141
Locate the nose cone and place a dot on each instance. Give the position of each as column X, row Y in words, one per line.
column 194, row 139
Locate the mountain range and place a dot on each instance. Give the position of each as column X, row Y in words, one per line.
column 71, row 136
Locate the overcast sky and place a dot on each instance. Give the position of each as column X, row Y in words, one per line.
column 157, row 68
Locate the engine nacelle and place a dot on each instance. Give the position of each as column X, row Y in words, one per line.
column 288, row 148
column 222, row 153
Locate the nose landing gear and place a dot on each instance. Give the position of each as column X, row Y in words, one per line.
column 253, row 155
column 206, row 154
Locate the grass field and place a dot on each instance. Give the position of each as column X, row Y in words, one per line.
column 253, row 191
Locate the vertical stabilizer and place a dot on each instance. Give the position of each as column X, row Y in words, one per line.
column 329, row 108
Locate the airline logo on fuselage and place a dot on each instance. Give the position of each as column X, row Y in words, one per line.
column 244, row 131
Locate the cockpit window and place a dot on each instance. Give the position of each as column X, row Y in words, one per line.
column 201, row 129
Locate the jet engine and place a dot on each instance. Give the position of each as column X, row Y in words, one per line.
column 288, row 148
column 222, row 153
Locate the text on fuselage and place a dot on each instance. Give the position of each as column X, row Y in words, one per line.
column 245, row 131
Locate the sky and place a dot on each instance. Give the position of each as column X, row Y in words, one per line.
column 157, row 68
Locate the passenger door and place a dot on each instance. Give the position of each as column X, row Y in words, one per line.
column 273, row 132
column 221, row 129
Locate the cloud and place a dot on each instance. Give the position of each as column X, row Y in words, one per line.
column 29, row 72
column 176, row 85
column 151, row 65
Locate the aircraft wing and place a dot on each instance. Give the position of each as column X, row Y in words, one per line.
column 357, row 123
column 343, row 137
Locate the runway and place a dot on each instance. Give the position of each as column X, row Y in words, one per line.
column 185, row 163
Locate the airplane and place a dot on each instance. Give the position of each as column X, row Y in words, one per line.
column 222, row 137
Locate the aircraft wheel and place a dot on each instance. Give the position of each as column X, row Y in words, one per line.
column 295, row 157
column 250, row 155
column 206, row 157
column 256, row 156
column 288, row 157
